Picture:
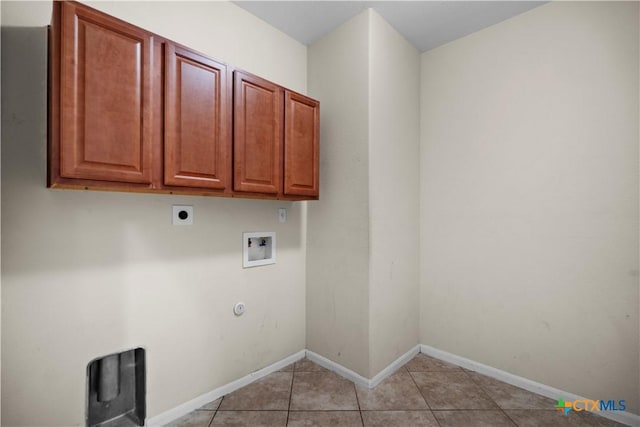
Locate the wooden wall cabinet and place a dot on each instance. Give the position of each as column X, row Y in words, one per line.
column 258, row 109
column 197, row 143
column 132, row 111
column 104, row 91
column 276, row 139
column 301, row 145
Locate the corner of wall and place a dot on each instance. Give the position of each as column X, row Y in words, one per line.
column 338, row 224
column 394, row 122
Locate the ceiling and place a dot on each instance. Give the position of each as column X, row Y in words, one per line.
column 426, row 24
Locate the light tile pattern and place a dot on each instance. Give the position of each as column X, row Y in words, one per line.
column 426, row 392
column 267, row 394
column 397, row 392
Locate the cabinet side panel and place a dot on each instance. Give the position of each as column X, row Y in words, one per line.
column 53, row 98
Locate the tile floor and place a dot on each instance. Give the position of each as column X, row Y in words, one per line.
column 424, row 392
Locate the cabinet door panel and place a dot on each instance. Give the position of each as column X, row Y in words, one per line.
column 301, row 145
column 105, row 95
column 198, row 138
column 258, row 113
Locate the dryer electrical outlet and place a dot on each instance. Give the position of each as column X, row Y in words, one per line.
column 182, row 215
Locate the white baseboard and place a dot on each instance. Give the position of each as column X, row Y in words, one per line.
column 357, row 378
column 394, row 366
column 338, row 369
column 623, row 417
column 183, row 409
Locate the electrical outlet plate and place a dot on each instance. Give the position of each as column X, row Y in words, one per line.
column 282, row 215
column 182, row 215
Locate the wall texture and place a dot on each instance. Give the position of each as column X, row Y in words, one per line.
column 394, row 132
column 528, row 215
column 529, row 197
column 89, row 273
column 362, row 264
column 338, row 225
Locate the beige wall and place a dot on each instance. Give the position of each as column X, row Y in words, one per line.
column 338, row 225
column 224, row 31
column 528, row 216
column 362, row 263
column 529, row 197
column 394, row 132
column 89, row 273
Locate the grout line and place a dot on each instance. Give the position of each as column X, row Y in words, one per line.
column 293, row 374
column 507, row 415
column 479, row 384
column 295, row 410
column 423, row 398
column 385, row 410
column 482, row 410
column 426, row 410
column 217, row 409
column 358, row 402
column 483, row 390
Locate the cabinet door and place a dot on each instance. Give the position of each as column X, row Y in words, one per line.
column 197, row 121
column 257, row 139
column 301, row 145
column 105, row 98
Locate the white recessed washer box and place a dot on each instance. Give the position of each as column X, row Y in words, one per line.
column 259, row 248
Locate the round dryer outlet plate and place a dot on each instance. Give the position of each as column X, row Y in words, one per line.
column 238, row 309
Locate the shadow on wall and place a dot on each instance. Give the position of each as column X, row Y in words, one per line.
column 45, row 229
